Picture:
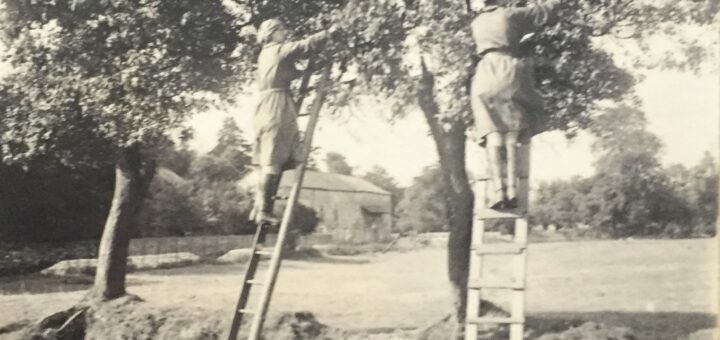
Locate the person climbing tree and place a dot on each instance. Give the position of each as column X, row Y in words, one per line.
column 277, row 143
column 506, row 106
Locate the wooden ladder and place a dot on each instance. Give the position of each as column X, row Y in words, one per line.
column 268, row 283
column 477, row 281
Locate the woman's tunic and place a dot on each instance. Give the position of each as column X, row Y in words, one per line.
column 275, row 119
column 502, row 94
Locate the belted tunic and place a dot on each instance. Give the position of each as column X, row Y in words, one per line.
column 502, row 93
column 275, row 117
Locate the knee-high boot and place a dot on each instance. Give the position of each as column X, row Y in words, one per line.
column 266, row 198
column 498, row 195
column 512, row 177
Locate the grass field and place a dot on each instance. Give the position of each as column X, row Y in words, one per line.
column 663, row 289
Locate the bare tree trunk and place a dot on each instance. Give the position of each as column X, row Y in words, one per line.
column 119, row 226
column 451, row 150
column 131, row 179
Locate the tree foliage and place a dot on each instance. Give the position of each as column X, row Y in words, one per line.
column 560, row 202
column 48, row 201
column 171, row 209
column 631, row 193
column 424, row 204
column 698, row 187
column 337, row 164
column 233, row 146
column 118, row 72
column 177, row 158
column 380, row 177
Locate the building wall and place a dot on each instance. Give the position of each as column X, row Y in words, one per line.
column 341, row 214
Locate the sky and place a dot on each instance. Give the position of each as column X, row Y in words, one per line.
column 683, row 109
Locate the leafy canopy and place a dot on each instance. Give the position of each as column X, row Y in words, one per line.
column 337, row 164
column 118, row 72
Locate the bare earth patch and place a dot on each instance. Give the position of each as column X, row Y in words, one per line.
column 130, row 318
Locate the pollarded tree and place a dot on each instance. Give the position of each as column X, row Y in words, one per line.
column 123, row 73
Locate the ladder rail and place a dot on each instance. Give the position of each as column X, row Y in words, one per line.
column 517, row 249
column 258, row 320
column 249, row 274
column 517, row 331
column 519, row 274
column 476, row 265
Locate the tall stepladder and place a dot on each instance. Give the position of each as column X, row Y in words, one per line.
column 478, row 281
column 268, row 283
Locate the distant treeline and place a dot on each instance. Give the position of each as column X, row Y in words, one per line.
column 190, row 194
column 675, row 202
column 631, row 193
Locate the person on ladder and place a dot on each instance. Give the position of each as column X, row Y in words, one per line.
column 277, row 144
column 506, row 106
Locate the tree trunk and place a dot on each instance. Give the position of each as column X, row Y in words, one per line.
column 451, row 150
column 119, row 226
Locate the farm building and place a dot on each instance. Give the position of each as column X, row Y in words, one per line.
column 350, row 208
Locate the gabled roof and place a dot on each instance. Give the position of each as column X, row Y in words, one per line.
column 332, row 182
column 169, row 176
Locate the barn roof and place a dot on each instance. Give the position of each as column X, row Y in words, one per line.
column 332, row 182
column 169, row 176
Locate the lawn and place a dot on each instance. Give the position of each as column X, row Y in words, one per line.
column 663, row 289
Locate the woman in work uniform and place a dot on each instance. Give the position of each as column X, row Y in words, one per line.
column 277, row 145
column 506, row 106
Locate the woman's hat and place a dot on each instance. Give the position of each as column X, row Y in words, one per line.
column 266, row 29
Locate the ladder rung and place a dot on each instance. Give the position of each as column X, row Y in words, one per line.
column 280, row 198
column 263, row 252
column 266, row 224
column 484, row 320
column 499, row 248
column 484, row 179
column 479, row 283
column 247, row 311
column 255, row 282
column 486, row 214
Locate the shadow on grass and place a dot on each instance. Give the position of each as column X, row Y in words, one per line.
column 292, row 260
column 646, row 325
column 332, row 259
column 43, row 284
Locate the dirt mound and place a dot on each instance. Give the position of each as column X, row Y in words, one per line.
column 137, row 320
column 591, row 331
column 130, row 318
column 300, row 326
column 443, row 329
column 586, row 331
column 565, row 330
